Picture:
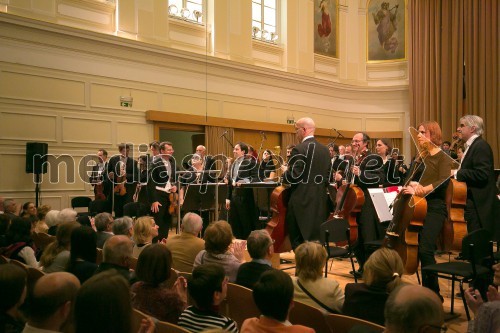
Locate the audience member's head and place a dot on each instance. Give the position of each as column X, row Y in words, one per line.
column 154, row 264
column 28, row 210
column 10, row 206
column 42, row 211
column 260, row 244
column 62, row 242
column 218, row 236
column 103, row 304
column 207, row 286
column 67, row 215
column 12, row 288
column 83, row 245
column 51, row 300
column 118, row 250
column 192, row 223
column 145, row 229
column 412, row 309
column 310, row 258
column 124, row 226
column 19, row 230
column 103, row 222
column 384, row 268
column 273, row 294
column 52, row 218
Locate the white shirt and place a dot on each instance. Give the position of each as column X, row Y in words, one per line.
column 307, row 137
column 467, row 143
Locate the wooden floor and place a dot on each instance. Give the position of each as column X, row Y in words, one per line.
column 340, row 272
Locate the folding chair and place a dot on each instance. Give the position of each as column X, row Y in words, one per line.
column 303, row 314
column 240, row 303
column 81, row 202
column 343, row 324
column 135, row 209
column 165, row 327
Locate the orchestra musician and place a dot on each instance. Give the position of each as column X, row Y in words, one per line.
column 208, row 164
column 430, row 181
column 240, row 201
column 123, row 172
column 154, row 146
column 477, row 171
column 307, row 173
column 98, row 177
column 141, row 192
column 161, row 182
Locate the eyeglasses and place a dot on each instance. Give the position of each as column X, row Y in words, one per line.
column 356, row 141
column 443, row 328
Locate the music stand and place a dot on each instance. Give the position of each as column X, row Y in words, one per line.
column 381, row 202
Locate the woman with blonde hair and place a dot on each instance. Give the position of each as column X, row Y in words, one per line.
column 310, row 287
column 55, row 257
column 145, row 229
column 382, row 274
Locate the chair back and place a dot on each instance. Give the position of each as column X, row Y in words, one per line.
column 137, row 317
column 33, row 273
column 336, row 229
column 303, row 314
column 171, row 280
column 480, row 241
column 42, row 240
column 4, row 260
column 343, row 324
column 240, row 303
column 166, row 327
column 80, row 202
column 135, row 209
column 99, row 256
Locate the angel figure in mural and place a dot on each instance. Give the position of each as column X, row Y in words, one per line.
column 325, row 28
column 386, row 21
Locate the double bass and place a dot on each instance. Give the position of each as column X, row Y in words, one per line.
column 455, row 226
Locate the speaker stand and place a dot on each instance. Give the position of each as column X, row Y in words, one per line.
column 37, row 188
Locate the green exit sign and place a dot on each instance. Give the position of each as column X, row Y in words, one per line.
column 126, row 104
column 290, row 121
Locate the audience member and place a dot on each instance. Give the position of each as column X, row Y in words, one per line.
column 261, row 249
column 52, row 220
column 124, row 226
column 207, row 288
column 149, row 294
column 145, row 229
column 41, row 213
column 28, row 211
column 310, row 286
column 2, row 199
column 116, row 255
column 412, row 309
column 83, row 253
column 65, row 215
column 104, row 226
column 186, row 245
column 382, row 274
column 4, row 225
column 218, row 238
column 486, row 315
column 50, row 302
column 13, row 290
column 273, row 295
column 20, row 243
column 10, row 208
column 103, row 305
column 55, row 257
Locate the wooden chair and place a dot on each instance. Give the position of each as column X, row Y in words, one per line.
column 137, row 317
column 303, row 314
column 165, row 327
column 171, row 280
column 4, row 260
column 343, row 324
column 187, row 275
column 240, row 303
column 42, row 240
column 33, row 273
column 98, row 259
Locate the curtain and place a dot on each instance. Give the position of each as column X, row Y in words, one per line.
column 219, row 147
column 444, row 35
column 286, row 140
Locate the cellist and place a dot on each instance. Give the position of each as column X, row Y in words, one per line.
column 430, row 181
column 99, row 178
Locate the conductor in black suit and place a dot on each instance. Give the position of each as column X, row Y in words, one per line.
column 477, row 171
column 308, row 174
column 123, row 165
column 161, row 183
column 240, row 201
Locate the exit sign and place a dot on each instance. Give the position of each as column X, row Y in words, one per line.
column 290, row 121
column 126, row 104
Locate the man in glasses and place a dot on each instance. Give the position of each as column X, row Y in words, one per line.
column 476, row 170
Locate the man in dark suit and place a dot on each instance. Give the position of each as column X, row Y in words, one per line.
column 307, row 173
column 208, row 164
column 99, row 175
column 161, row 183
column 477, row 171
column 240, row 201
column 122, row 166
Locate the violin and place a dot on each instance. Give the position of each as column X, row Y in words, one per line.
column 99, row 191
column 173, row 208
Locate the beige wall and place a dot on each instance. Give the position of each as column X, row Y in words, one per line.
column 62, row 84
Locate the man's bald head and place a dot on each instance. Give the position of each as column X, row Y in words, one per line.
column 304, row 127
column 411, row 307
column 117, row 250
column 51, row 293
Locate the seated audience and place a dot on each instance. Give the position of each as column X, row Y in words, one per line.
column 104, row 226
column 13, row 290
column 124, row 226
column 207, row 288
column 10, row 208
column 41, row 213
column 145, row 229
column 28, row 211
column 261, row 249
column 186, row 245
column 103, row 305
column 116, row 255
column 273, row 295
column 310, row 286
column 4, row 225
column 486, row 314
column 149, row 294
column 413, row 309
column 65, row 215
column 218, row 238
column 52, row 220
column 382, row 274
column 50, row 302
column 83, row 253
column 20, row 246
column 55, row 257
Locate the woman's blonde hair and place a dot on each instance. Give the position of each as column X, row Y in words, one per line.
column 142, row 230
column 62, row 242
column 310, row 258
column 383, row 268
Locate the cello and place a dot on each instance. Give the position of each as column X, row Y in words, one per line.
column 276, row 226
column 455, row 226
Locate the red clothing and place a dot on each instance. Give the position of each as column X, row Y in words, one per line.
column 268, row 325
column 325, row 28
column 162, row 303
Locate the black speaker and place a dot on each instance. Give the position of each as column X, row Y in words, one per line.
column 36, row 157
